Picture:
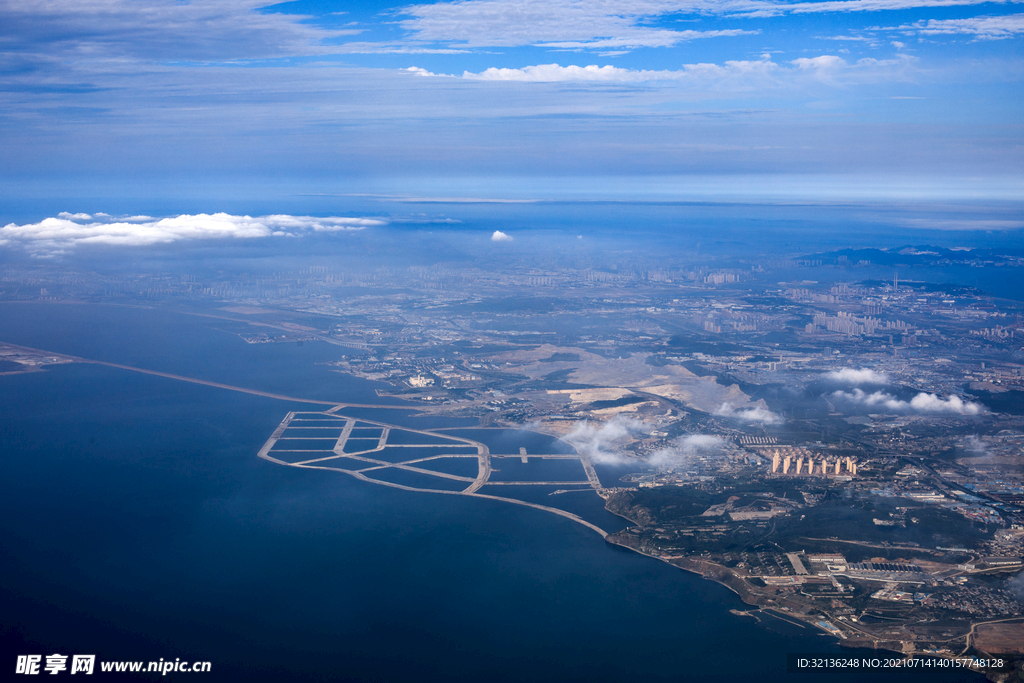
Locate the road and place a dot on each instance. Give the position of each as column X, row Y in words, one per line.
column 218, row 385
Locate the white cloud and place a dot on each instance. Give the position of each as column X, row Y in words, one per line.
column 603, row 444
column 834, row 69
column 548, row 73
column 983, row 28
column 555, row 73
column 684, row 448
column 499, row 236
column 923, row 403
column 930, row 403
column 822, row 62
column 977, row 446
column 852, row 376
column 756, row 414
column 749, row 73
column 57, row 235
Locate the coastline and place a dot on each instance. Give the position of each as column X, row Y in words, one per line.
column 697, row 567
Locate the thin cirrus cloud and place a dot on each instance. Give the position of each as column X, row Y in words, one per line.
column 159, row 29
column 67, row 231
column 613, row 23
column 640, row 37
column 217, row 30
column 561, row 23
column 768, row 9
column 982, row 28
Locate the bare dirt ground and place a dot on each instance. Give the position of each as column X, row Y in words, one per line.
column 1001, row 638
column 671, row 381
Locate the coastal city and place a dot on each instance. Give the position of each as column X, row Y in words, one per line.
column 842, row 451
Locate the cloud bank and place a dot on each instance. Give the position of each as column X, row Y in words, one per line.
column 556, row 73
column 924, row 403
column 755, row 414
column 852, row 376
column 759, row 72
column 67, row 230
column 604, row 443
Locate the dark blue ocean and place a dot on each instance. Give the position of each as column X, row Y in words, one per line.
column 137, row 523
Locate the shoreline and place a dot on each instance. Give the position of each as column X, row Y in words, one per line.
column 799, row 620
column 706, row 570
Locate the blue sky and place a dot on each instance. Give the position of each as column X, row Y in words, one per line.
column 493, row 95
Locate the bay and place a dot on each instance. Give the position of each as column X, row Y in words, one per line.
column 137, row 523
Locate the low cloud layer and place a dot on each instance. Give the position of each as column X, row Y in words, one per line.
column 755, row 414
column 763, row 71
column 499, row 236
column 684, row 448
column 854, row 376
column 604, row 444
column 67, row 231
column 924, row 403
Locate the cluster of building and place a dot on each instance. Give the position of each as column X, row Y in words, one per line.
column 847, row 323
column 978, row 601
column 790, row 460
